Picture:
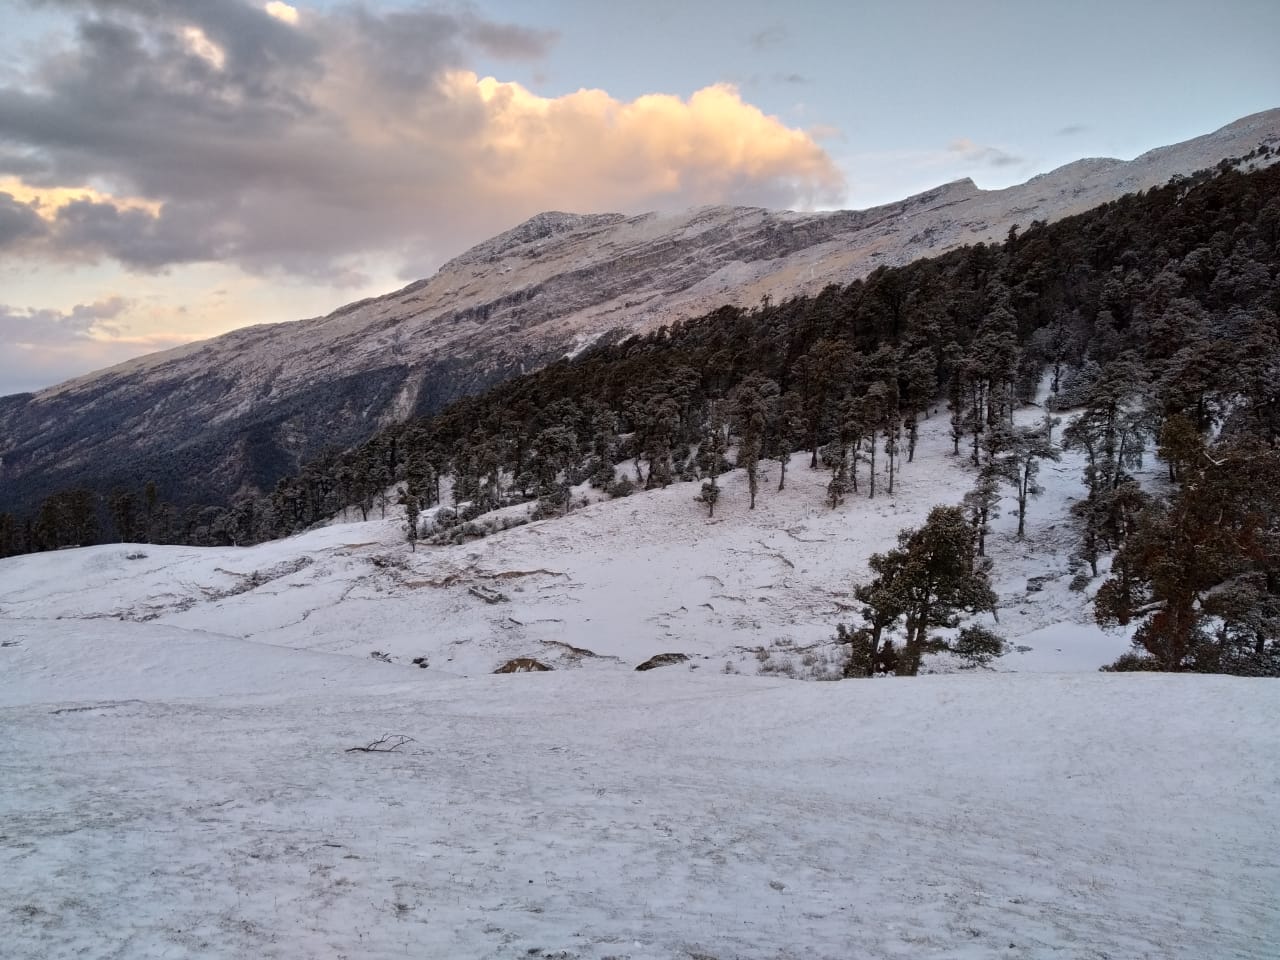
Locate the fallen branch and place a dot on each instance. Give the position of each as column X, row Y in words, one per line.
column 385, row 745
column 487, row 594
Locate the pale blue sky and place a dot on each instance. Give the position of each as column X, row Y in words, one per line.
column 236, row 168
column 901, row 78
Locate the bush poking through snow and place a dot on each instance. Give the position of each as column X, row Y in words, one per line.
column 978, row 645
column 523, row 665
column 624, row 486
column 1132, row 663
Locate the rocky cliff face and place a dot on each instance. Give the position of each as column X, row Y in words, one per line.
column 208, row 419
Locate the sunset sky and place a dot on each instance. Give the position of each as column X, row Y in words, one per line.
column 172, row 169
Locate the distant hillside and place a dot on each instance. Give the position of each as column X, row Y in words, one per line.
column 235, row 413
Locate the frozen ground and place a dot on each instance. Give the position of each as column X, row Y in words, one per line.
column 176, row 779
column 656, row 815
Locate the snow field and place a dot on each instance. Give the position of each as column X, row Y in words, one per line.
column 650, row 815
column 176, row 778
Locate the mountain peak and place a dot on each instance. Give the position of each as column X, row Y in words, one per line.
column 538, row 228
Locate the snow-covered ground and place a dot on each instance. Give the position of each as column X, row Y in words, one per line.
column 176, row 778
column 636, row 815
column 608, row 586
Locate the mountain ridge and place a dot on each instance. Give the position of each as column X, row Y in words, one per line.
column 545, row 289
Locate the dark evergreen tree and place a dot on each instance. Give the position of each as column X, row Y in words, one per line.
column 1201, row 571
column 927, row 580
column 754, row 406
column 1019, row 465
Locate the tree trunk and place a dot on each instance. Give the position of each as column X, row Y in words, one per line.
column 891, row 447
column 1024, row 487
column 872, row 460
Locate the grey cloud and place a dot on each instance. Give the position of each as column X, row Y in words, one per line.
column 986, row 156
column 137, row 238
column 18, row 222
column 146, row 116
column 508, row 41
column 771, row 36
column 254, row 41
column 53, row 327
column 223, row 150
column 40, row 347
column 404, row 49
column 16, row 163
column 998, row 158
column 1073, row 129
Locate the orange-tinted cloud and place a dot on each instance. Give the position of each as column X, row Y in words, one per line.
column 313, row 141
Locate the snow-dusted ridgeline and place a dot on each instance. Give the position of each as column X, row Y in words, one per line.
column 277, row 393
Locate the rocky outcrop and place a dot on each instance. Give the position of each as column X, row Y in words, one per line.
column 663, row 660
column 210, row 419
column 523, row 665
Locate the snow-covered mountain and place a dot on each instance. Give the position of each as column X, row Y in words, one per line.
column 208, row 418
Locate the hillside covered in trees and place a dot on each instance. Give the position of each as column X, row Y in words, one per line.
column 1155, row 318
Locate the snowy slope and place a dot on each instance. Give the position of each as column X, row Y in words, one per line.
column 176, row 778
column 606, row 587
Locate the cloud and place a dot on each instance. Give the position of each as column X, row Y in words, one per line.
column 31, row 328
column 282, row 11
column 985, row 156
column 138, row 239
column 1073, row 129
column 506, row 40
column 19, row 222
column 314, row 143
column 27, row 369
column 43, row 346
column 773, row 35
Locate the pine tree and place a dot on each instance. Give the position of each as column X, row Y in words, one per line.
column 124, row 515
column 835, row 457
column 1020, row 466
column 710, row 495
column 928, row 580
column 754, row 407
column 150, row 509
column 555, row 452
column 789, row 430
column 1111, row 431
column 711, row 459
column 412, row 511
column 875, row 413
column 982, row 504
column 1200, row 571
